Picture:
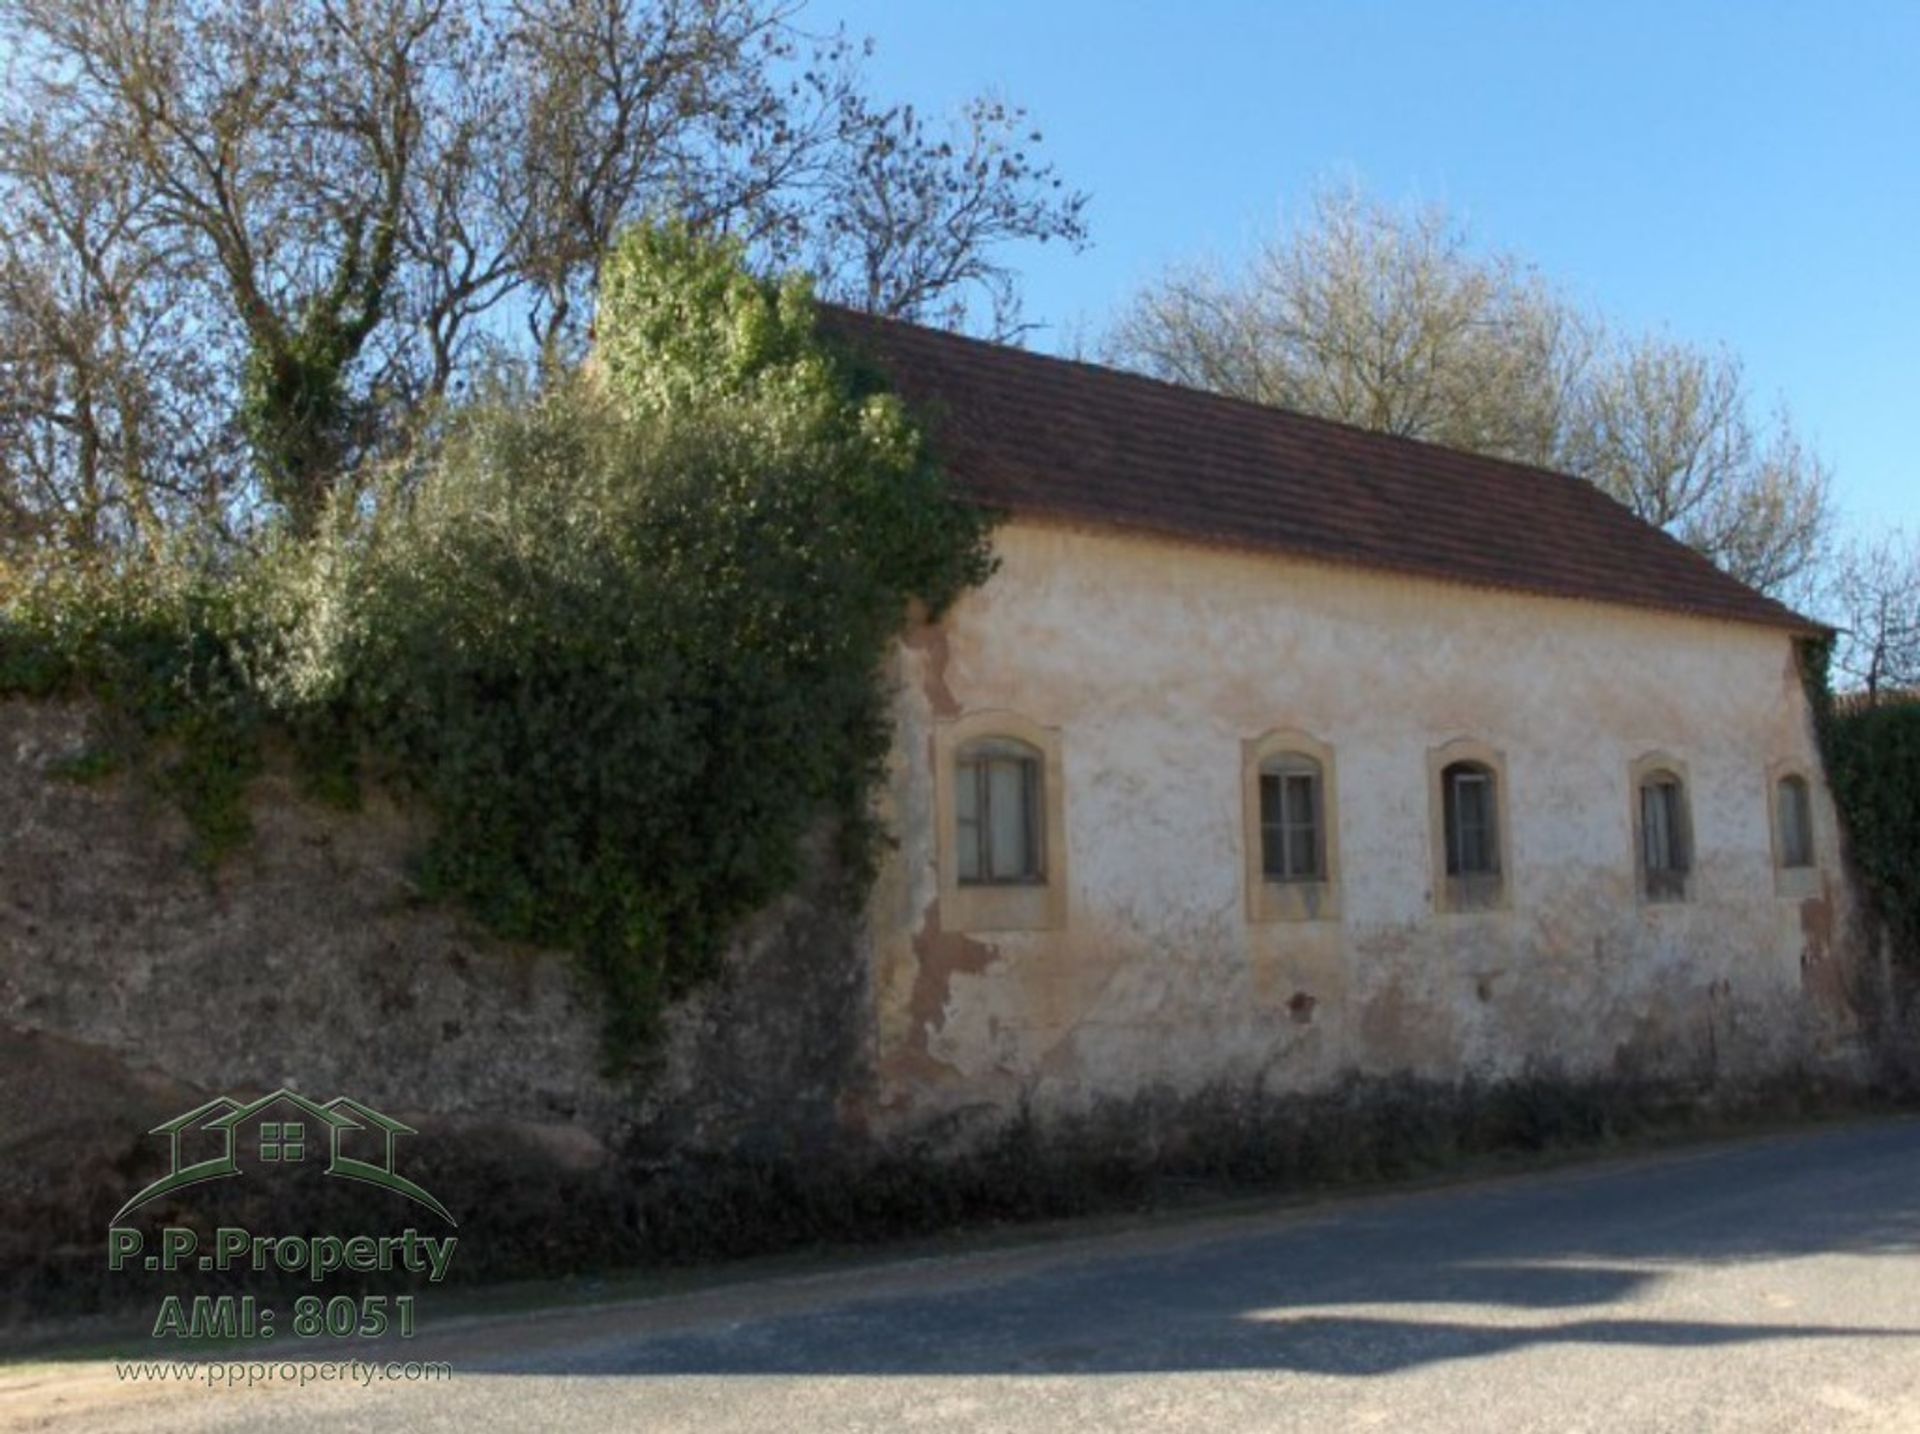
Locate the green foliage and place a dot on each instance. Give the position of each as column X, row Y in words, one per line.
column 1873, row 758
column 294, row 406
column 95, row 764
column 165, row 646
column 624, row 636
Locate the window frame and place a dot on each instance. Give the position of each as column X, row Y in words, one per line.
column 1796, row 882
column 1461, row 893
column 1284, row 752
column 1282, row 832
column 1796, row 837
column 1454, row 778
column 983, row 754
column 1672, row 884
column 1034, row 903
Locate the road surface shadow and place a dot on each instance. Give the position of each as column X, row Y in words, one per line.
column 1501, row 1267
column 1361, row 1288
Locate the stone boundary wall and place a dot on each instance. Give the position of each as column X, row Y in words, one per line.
column 134, row 986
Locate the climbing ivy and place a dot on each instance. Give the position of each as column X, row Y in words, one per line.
column 624, row 636
column 1873, row 764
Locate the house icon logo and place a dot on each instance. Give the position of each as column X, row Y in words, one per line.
column 282, row 1128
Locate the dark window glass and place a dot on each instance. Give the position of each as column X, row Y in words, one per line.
column 1473, row 838
column 1292, row 844
column 1664, row 857
column 997, row 814
column 1796, row 822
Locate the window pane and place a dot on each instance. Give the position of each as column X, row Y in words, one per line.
column 1673, row 798
column 1303, row 853
column 1009, row 850
column 1299, row 803
column 1272, row 831
column 1796, row 823
column 1655, row 828
column 966, row 806
column 1290, row 841
column 1664, row 858
column 997, row 812
column 1663, row 832
column 1032, row 808
column 1471, row 847
column 1302, row 826
column 1450, row 818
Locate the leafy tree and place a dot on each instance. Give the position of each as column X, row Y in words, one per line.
column 246, row 246
column 623, row 633
column 1392, row 320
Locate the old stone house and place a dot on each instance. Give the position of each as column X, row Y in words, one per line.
column 1277, row 750
column 1274, row 752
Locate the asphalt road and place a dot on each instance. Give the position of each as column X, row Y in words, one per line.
column 1772, row 1285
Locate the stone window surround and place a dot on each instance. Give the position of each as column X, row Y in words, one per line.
column 1028, row 906
column 1270, row 900
column 1644, row 768
column 1794, row 882
column 1464, row 895
column 1041, row 906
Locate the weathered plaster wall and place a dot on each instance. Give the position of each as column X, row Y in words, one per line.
column 308, row 960
column 1156, row 660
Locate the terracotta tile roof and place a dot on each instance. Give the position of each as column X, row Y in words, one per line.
column 1050, row 437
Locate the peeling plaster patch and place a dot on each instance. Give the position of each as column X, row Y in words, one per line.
column 1822, row 977
column 941, row 955
column 1816, row 924
column 1136, row 649
column 931, row 641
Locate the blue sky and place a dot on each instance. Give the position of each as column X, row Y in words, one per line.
column 1740, row 173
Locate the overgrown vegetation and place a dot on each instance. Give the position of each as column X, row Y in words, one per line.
column 624, row 635
column 522, row 1217
column 1871, row 751
column 1873, row 763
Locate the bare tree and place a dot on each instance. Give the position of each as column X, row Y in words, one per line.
column 106, row 436
column 911, row 229
column 244, row 243
column 1370, row 316
column 1668, row 429
column 1392, row 320
column 1873, row 598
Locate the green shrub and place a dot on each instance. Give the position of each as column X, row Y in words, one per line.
column 1872, row 758
column 1873, row 761
column 624, row 635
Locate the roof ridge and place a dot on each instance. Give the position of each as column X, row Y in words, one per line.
column 1234, row 400
column 1055, row 434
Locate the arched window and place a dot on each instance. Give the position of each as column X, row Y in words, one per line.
column 1471, row 817
column 1290, row 799
column 1793, row 812
column 1666, row 839
column 1470, row 836
column 998, row 805
column 1293, row 841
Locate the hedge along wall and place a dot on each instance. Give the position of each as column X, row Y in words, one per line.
column 1873, row 761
